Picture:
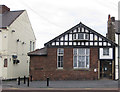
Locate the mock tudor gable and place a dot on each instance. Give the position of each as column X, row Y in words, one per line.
column 80, row 36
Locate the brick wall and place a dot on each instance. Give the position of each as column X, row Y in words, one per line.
column 46, row 66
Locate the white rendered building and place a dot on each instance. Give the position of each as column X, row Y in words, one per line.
column 16, row 40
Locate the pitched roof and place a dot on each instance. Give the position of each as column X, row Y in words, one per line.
column 38, row 52
column 73, row 28
column 8, row 17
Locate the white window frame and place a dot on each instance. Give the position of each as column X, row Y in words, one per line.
column 61, row 55
column 78, row 54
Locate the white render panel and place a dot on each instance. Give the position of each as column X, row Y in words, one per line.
column 116, row 38
column 110, row 56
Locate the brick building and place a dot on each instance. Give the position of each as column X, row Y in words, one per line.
column 78, row 54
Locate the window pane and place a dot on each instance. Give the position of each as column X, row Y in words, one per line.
column 79, row 61
column 61, row 64
column 5, row 62
column 83, row 64
column 74, row 36
column 86, row 36
column 87, row 61
column 105, row 51
column 60, row 51
column 81, row 36
column 75, row 51
column 58, row 58
column 58, row 64
column 61, row 59
column 81, row 51
column 75, row 61
column 79, row 64
column 87, row 51
column 83, row 59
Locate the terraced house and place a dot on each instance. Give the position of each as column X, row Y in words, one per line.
column 80, row 53
column 16, row 40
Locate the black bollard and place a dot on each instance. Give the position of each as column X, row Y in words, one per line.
column 28, row 82
column 47, row 81
column 24, row 80
column 18, row 80
column 31, row 78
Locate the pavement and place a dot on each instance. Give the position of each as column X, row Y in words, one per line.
column 62, row 86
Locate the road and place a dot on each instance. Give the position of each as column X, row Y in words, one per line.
column 61, row 90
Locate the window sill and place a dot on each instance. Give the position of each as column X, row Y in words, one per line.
column 59, row 69
column 82, row 69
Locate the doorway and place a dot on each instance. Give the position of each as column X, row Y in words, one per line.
column 106, row 69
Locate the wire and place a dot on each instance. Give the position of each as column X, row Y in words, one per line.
column 40, row 15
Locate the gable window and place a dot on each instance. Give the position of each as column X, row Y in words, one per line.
column 60, row 54
column 80, row 36
column 81, row 58
column 33, row 46
column 106, row 51
column 5, row 62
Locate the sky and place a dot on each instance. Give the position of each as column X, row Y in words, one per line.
column 50, row 18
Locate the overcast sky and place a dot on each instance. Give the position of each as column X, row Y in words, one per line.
column 50, row 18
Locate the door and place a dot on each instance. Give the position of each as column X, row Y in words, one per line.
column 106, row 69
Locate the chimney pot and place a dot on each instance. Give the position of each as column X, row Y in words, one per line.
column 113, row 19
column 109, row 17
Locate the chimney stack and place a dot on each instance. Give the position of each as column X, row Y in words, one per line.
column 111, row 28
column 4, row 9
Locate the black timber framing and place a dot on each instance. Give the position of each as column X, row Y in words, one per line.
column 99, row 41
